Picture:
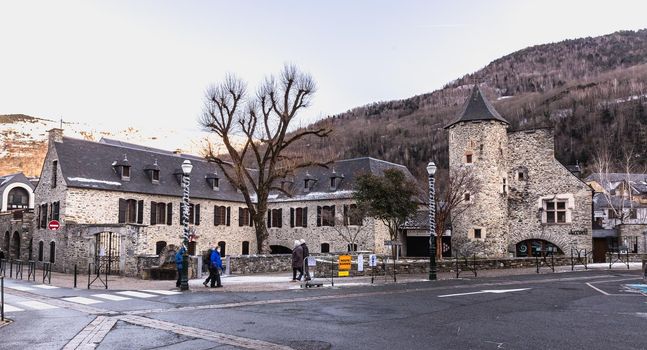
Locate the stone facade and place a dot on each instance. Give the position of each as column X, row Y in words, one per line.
column 15, row 235
column 526, row 200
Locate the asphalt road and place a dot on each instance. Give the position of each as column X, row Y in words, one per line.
column 581, row 310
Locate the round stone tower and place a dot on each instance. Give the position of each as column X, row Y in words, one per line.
column 478, row 143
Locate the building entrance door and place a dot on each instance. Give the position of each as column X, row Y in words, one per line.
column 107, row 252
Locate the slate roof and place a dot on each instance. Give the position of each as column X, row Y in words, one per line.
column 88, row 164
column 477, row 107
column 610, row 181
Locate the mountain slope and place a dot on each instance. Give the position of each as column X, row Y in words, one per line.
column 591, row 90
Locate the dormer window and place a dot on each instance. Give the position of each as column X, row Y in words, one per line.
column 213, row 181
column 122, row 168
column 335, row 180
column 308, row 182
column 153, row 172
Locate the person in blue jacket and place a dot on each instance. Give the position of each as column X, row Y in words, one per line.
column 216, row 267
column 178, row 263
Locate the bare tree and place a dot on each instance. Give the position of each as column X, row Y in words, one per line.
column 263, row 123
column 452, row 201
column 350, row 225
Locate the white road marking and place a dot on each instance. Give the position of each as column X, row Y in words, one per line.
column 82, row 300
column 23, row 288
column 598, row 289
column 136, row 294
column 45, row 286
column 9, row 308
column 37, row 305
column 490, row 291
column 110, row 297
column 163, row 292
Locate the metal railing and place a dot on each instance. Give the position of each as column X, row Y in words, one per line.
column 2, row 298
column 95, row 269
column 580, row 257
column 47, row 272
column 466, row 265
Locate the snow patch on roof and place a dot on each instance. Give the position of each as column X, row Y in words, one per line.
column 82, row 179
column 316, row 196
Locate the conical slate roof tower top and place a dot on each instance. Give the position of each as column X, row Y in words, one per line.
column 477, row 107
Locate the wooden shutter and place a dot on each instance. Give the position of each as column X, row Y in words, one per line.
column 197, row 214
column 228, row 223
column 269, row 218
column 280, row 217
column 332, row 221
column 49, row 211
column 318, row 216
column 153, row 213
column 56, row 210
column 291, row 217
column 140, row 212
column 216, row 215
column 122, row 211
column 240, row 216
column 346, row 220
column 169, row 214
column 305, row 217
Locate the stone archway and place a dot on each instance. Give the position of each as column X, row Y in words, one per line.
column 15, row 245
column 5, row 195
column 561, row 241
column 536, row 247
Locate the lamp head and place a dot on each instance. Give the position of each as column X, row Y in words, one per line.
column 186, row 167
column 431, row 168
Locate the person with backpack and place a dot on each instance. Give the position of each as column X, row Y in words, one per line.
column 216, row 267
column 207, row 261
column 179, row 256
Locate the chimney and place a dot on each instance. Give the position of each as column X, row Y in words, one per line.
column 55, row 135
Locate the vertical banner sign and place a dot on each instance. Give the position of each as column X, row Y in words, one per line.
column 360, row 263
column 344, row 265
column 372, row 260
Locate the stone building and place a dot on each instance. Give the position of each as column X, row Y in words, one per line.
column 527, row 201
column 16, row 211
column 120, row 203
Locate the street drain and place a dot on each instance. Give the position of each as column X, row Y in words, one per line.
column 310, row 345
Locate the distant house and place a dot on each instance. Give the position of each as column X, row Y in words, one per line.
column 620, row 211
column 16, row 208
column 122, row 202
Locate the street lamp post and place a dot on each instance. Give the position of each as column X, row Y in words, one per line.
column 431, row 170
column 186, row 171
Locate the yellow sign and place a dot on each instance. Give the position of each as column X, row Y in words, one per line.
column 344, row 273
column 344, row 263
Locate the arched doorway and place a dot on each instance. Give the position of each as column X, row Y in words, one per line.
column 536, row 247
column 245, row 247
column 222, row 246
column 108, row 247
column 15, row 245
column 52, row 252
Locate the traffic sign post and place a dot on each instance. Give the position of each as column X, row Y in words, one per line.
column 54, row 225
column 344, row 265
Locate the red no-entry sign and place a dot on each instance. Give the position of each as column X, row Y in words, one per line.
column 54, row 225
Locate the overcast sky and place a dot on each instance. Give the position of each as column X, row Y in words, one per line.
column 146, row 64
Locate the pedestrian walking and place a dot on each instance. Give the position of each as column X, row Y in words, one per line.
column 306, row 254
column 216, row 268
column 179, row 256
column 297, row 261
column 1, row 254
column 207, row 261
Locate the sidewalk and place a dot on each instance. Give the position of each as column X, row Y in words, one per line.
column 281, row 281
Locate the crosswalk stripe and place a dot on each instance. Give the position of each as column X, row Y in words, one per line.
column 136, row 294
column 23, row 288
column 45, row 286
column 110, row 297
column 37, row 305
column 163, row 292
column 82, row 300
column 9, row 308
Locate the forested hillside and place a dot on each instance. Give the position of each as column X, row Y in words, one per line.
column 591, row 90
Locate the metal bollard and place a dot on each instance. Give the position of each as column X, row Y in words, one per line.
column 75, row 273
column 2, row 298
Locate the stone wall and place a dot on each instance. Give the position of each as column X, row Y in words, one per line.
column 9, row 227
column 486, row 142
column 634, row 233
column 532, row 154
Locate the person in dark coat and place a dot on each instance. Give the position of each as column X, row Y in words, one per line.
column 1, row 254
column 297, row 261
column 207, row 261
column 216, row 267
column 306, row 254
column 178, row 263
